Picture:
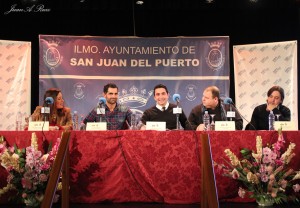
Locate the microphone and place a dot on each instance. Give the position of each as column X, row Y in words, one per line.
column 176, row 98
column 229, row 101
column 49, row 100
column 102, row 101
column 46, row 109
column 177, row 110
column 101, row 109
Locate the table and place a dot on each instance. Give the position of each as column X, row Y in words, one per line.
column 146, row 166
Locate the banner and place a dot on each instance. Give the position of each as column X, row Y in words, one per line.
column 81, row 65
column 15, row 82
column 258, row 67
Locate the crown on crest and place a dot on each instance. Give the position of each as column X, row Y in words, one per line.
column 215, row 44
column 53, row 43
column 136, row 97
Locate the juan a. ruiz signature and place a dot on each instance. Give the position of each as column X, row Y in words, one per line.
column 33, row 8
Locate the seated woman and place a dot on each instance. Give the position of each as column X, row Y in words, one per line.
column 60, row 117
column 260, row 115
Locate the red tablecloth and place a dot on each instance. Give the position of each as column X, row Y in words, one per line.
column 146, row 166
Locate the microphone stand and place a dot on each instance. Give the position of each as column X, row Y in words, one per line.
column 100, row 117
column 177, row 117
column 101, row 111
column 230, row 109
column 46, row 113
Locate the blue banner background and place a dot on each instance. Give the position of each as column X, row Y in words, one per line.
column 186, row 65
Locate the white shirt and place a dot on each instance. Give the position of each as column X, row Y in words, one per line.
column 161, row 107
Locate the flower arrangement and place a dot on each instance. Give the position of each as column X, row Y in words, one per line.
column 264, row 174
column 28, row 171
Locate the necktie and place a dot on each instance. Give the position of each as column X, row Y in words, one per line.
column 163, row 108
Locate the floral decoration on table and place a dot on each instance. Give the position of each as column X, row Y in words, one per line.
column 265, row 174
column 28, row 171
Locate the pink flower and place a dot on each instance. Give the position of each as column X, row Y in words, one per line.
column 241, row 192
column 45, row 167
column 26, row 183
column 43, row 177
column 264, row 178
column 262, row 169
column 278, row 162
column 296, row 187
column 11, row 149
column 269, row 156
column 235, row 174
column 266, row 151
column 283, row 184
column 3, row 147
column 24, row 195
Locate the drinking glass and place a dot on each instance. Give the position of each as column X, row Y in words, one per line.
column 135, row 119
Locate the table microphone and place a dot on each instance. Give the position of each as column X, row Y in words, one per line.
column 177, row 110
column 46, row 109
column 230, row 102
column 102, row 101
column 176, row 98
column 49, row 100
column 101, row 109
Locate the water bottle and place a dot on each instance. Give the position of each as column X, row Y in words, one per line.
column 206, row 121
column 133, row 125
column 271, row 120
column 75, row 120
column 19, row 121
column 82, row 125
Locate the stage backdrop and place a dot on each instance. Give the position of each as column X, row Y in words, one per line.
column 15, row 82
column 82, row 65
column 258, row 67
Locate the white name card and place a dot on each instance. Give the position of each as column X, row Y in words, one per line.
column 231, row 114
column 96, row 126
column 45, row 110
column 285, row 125
column 156, row 125
column 100, row 111
column 224, row 125
column 38, row 126
column 177, row 110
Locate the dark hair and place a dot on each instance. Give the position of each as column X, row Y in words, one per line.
column 160, row 86
column 109, row 85
column 276, row 88
column 52, row 92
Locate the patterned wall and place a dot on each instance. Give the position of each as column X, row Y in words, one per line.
column 15, row 82
column 257, row 67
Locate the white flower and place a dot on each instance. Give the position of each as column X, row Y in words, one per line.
column 297, row 176
column 286, row 155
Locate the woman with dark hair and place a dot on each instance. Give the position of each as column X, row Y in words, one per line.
column 260, row 115
column 60, row 117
